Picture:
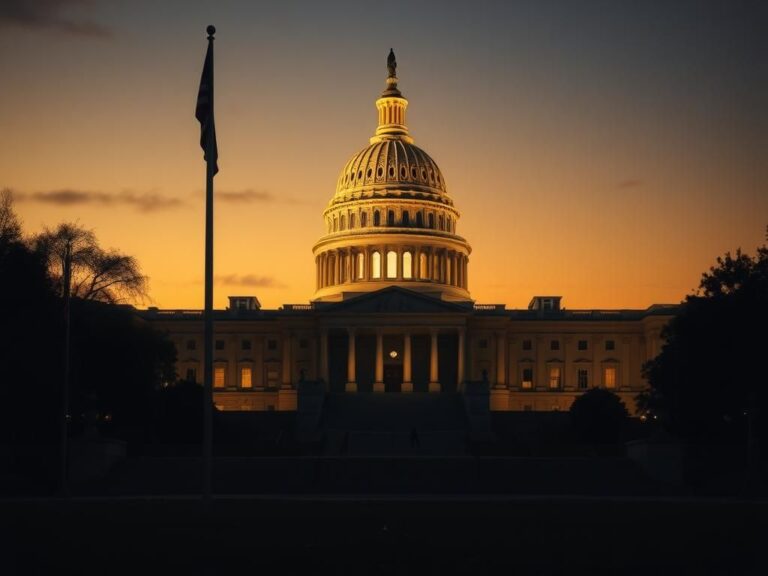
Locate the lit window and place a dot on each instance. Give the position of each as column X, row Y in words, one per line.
column 610, row 345
column 583, row 378
column 245, row 377
column 609, row 377
column 375, row 265
column 423, row 266
column 407, row 265
column 391, row 264
column 218, row 377
column 360, row 266
column 554, row 345
column 582, row 345
column 527, row 382
column 554, row 378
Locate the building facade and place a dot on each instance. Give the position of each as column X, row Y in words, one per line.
column 392, row 312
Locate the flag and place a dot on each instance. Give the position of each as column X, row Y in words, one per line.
column 204, row 111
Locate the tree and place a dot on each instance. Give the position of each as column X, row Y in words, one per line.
column 97, row 274
column 708, row 383
column 598, row 416
column 10, row 227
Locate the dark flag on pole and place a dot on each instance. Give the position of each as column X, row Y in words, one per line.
column 204, row 112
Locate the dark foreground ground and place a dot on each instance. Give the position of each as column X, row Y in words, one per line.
column 387, row 535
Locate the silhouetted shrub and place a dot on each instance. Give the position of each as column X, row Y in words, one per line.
column 598, row 416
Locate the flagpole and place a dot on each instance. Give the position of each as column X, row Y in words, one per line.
column 208, row 314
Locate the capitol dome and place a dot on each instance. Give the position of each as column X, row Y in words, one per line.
column 391, row 221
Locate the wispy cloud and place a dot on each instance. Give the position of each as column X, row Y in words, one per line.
column 630, row 183
column 49, row 15
column 245, row 196
column 143, row 202
column 248, row 280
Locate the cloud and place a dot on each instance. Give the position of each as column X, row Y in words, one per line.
column 47, row 15
column 630, row 183
column 245, row 196
column 143, row 202
column 248, row 280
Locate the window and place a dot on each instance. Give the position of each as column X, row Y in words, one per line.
column 527, row 344
column 245, row 344
column 554, row 345
column 610, row 345
column 218, row 377
column 419, row 220
column 335, row 223
column 376, row 218
column 431, row 221
column 527, row 382
column 271, row 344
column 609, row 377
column 273, row 376
column 191, row 344
column 407, row 265
column 303, row 343
column 351, row 221
column 342, row 222
column 246, row 377
column 391, row 218
column 554, row 378
column 482, row 343
column 191, row 375
column 583, row 378
column 440, row 224
column 219, row 344
column 375, row 265
column 423, row 267
column 360, row 266
column 582, row 345
column 406, row 219
column 364, row 219
column 391, row 264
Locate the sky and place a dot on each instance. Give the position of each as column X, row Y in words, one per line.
column 605, row 151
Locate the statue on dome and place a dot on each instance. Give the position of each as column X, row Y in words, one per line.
column 392, row 64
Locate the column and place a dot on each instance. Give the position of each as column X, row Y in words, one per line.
column 407, row 384
column 501, row 360
column 324, row 358
column 460, row 376
column 416, row 266
column 399, row 263
column 434, row 384
column 286, row 380
column 351, row 385
column 378, row 385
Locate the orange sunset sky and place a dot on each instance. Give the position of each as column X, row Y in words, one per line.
column 607, row 152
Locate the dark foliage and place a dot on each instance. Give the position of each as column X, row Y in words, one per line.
column 179, row 415
column 708, row 384
column 599, row 416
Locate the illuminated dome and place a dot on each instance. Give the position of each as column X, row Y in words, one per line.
column 391, row 221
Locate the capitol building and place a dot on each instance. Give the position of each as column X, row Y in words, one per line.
column 392, row 312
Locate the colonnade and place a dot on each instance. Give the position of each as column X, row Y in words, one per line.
column 407, row 384
column 385, row 263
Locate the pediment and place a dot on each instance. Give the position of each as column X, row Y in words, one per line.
column 395, row 300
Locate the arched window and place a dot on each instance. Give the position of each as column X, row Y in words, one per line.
column 343, row 266
column 407, row 265
column 341, row 222
column 335, row 223
column 431, row 221
column 363, row 219
column 419, row 220
column 423, row 267
column 448, row 223
column 360, row 266
column 391, row 218
column 376, row 218
column 351, row 221
column 440, row 223
column 375, row 265
column 391, row 264
column 406, row 218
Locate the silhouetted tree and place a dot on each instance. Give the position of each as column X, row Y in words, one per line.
column 598, row 416
column 97, row 274
column 10, row 227
column 708, row 383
